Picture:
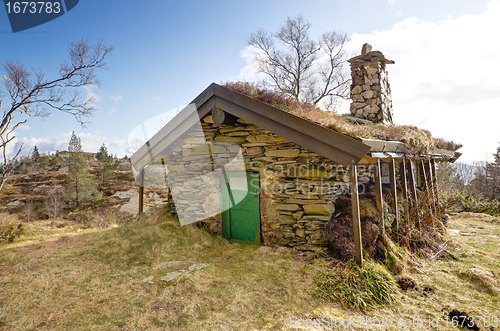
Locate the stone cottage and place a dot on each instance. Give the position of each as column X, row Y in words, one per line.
column 257, row 173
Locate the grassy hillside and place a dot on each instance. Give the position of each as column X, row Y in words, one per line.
column 93, row 280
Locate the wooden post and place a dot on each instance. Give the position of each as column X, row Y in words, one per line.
column 356, row 222
column 413, row 191
column 426, row 192
column 420, row 181
column 430, row 186
column 434, row 179
column 168, row 194
column 394, row 192
column 378, row 193
column 166, row 179
column 425, row 180
column 141, row 191
column 416, row 173
column 404, row 188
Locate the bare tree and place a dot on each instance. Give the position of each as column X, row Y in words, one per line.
column 307, row 70
column 6, row 136
column 465, row 173
column 53, row 202
column 30, row 208
column 33, row 95
column 134, row 145
column 487, row 178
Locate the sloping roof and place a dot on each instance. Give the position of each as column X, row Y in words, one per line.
column 331, row 144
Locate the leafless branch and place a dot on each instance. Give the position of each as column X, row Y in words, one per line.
column 7, row 166
column 300, row 70
column 33, row 95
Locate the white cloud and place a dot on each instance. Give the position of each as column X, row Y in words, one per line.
column 113, row 110
column 12, row 149
column 116, row 98
column 91, row 93
column 445, row 77
column 24, row 127
column 250, row 71
column 92, row 141
column 43, row 144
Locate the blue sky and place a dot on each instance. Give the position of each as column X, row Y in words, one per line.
column 167, row 52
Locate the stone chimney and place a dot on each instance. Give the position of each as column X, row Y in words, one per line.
column 370, row 91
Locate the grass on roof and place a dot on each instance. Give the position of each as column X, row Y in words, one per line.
column 418, row 140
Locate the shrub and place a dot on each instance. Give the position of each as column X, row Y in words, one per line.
column 355, row 287
column 460, row 201
column 10, row 232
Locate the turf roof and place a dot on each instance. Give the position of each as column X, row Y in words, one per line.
column 418, row 141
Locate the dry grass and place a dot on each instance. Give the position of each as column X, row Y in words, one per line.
column 37, row 187
column 355, row 287
column 35, row 191
column 418, row 140
column 93, row 281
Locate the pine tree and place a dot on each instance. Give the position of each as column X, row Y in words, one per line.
column 81, row 186
column 493, row 171
column 35, row 156
column 44, row 161
column 55, row 160
column 107, row 164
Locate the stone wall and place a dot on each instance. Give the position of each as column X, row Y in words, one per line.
column 297, row 186
column 370, row 90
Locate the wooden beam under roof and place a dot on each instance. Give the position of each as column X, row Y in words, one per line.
column 388, row 149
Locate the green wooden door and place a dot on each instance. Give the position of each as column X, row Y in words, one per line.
column 240, row 206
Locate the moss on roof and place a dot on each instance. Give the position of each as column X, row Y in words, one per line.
column 419, row 141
